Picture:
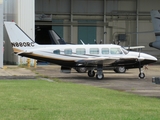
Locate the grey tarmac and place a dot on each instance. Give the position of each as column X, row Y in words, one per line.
column 126, row 82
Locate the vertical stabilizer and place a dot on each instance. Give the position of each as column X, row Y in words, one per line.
column 56, row 38
column 18, row 38
column 155, row 16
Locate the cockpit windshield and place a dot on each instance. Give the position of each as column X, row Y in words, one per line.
column 115, row 51
column 125, row 51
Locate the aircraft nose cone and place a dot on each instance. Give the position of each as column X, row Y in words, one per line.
column 153, row 59
column 148, row 58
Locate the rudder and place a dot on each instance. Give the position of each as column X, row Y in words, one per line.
column 18, row 38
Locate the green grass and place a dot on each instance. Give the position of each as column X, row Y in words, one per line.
column 43, row 100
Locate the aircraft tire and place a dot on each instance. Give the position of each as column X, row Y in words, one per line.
column 120, row 69
column 81, row 69
column 99, row 76
column 141, row 75
column 91, row 73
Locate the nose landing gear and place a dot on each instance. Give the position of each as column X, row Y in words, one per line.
column 141, row 75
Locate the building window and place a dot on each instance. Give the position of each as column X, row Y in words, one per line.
column 94, row 51
column 105, row 51
column 56, row 51
column 68, row 51
column 116, row 51
column 80, row 51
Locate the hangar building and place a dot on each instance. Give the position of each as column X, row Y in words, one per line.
column 87, row 20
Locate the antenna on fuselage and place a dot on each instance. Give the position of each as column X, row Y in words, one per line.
column 82, row 42
column 95, row 41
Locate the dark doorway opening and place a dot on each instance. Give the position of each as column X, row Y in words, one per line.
column 42, row 34
column 42, row 37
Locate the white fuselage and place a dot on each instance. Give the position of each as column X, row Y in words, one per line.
column 74, row 53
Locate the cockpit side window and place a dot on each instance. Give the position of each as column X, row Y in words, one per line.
column 116, row 51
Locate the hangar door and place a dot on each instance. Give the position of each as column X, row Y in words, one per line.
column 58, row 28
column 86, row 33
column 42, row 34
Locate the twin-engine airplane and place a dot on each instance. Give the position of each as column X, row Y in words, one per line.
column 94, row 57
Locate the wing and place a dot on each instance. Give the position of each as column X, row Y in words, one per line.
column 97, row 60
column 109, row 61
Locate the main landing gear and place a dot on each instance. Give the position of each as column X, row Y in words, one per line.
column 91, row 73
column 99, row 74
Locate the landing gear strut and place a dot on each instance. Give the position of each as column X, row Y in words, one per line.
column 99, row 74
column 141, row 74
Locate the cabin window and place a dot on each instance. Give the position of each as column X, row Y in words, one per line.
column 56, row 51
column 116, row 51
column 68, row 51
column 80, row 51
column 105, row 51
column 94, row 51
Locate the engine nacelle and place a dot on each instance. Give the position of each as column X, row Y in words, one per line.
column 65, row 69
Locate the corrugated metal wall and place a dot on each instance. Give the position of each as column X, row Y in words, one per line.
column 23, row 13
column 113, row 17
column 25, row 16
column 87, row 33
column 1, row 33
